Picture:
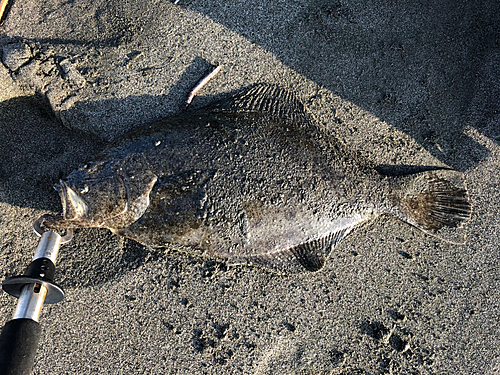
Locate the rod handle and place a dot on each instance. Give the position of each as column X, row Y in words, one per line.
column 18, row 344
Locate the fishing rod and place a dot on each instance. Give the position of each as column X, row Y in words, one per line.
column 20, row 335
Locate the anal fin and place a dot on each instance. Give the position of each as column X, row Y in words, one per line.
column 308, row 256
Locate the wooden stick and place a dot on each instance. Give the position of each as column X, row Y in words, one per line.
column 200, row 85
column 3, row 5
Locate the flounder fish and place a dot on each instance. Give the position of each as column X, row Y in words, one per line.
column 250, row 179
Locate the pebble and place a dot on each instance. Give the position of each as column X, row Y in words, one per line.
column 72, row 74
column 15, row 55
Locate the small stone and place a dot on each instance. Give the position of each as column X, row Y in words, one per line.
column 15, row 55
column 395, row 315
column 397, row 343
column 404, row 254
column 289, row 326
column 374, row 329
column 72, row 74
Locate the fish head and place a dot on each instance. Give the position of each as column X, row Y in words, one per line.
column 112, row 198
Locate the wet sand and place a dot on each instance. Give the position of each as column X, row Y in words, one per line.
column 405, row 84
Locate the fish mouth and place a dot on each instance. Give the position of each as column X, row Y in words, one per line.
column 74, row 207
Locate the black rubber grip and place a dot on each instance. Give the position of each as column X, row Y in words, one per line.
column 18, row 344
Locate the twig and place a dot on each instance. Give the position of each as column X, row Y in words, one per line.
column 3, row 5
column 200, row 85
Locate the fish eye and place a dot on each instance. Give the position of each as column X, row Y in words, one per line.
column 94, row 167
column 84, row 189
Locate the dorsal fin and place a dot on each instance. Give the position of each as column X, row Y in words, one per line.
column 264, row 99
column 275, row 101
column 307, row 256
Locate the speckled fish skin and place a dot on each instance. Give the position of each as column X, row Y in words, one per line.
column 250, row 179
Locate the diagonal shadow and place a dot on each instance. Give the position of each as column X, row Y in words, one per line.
column 413, row 64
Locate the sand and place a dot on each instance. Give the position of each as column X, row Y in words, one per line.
column 407, row 83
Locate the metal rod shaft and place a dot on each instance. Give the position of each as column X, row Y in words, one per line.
column 48, row 246
column 30, row 303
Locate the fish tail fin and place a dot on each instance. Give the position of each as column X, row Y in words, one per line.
column 436, row 202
